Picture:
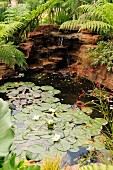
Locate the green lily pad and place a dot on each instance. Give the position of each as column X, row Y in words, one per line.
column 74, row 148
column 38, row 148
column 62, row 145
column 87, row 110
column 73, row 128
column 47, row 88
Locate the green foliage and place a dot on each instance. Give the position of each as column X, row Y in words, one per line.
column 96, row 167
column 61, row 17
column 16, row 13
column 94, row 17
column 7, row 30
column 34, row 3
column 103, row 54
column 2, row 9
column 10, row 55
column 22, row 19
column 51, row 163
column 6, row 133
column 10, row 164
column 101, row 103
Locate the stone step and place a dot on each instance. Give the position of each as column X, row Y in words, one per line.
column 43, row 60
column 43, row 51
column 54, row 47
column 55, row 59
column 34, row 67
column 35, row 34
column 48, row 65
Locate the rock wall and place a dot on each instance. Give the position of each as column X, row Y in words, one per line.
column 49, row 50
column 5, row 71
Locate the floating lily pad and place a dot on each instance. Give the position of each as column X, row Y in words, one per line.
column 62, row 145
column 34, row 138
column 47, row 88
column 87, row 110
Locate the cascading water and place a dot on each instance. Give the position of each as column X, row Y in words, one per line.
column 60, row 41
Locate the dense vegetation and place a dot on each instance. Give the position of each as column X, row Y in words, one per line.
column 17, row 19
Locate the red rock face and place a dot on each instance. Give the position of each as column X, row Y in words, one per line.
column 5, row 71
column 48, row 50
column 51, row 47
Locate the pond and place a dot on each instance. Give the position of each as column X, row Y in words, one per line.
column 47, row 120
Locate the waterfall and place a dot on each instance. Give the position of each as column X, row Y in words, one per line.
column 60, row 41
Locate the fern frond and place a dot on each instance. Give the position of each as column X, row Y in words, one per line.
column 85, row 8
column 10, row 55
column 15, row 13
column 71, row 25
column 97, row 17
column 90, row 16
column 97, row 167
column 97, row 26
column 7, row 30
column 97, row 11
column 107, row 13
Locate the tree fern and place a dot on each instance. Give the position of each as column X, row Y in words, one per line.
column 97, row 26
column 97, row 167
column 97, row 17
column 10, row 55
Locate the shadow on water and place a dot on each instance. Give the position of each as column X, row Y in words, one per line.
column 70, row 93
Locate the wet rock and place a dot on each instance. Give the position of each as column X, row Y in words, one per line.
column 26, row 48
column 88, row 38
column 47, row 28
column 48, row 65
column 5, row 71
column 35, row 34
column 55, row 59
column 34, row 67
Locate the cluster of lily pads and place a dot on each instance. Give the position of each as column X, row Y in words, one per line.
column 44, row 126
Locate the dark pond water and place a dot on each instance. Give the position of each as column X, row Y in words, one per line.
column 70, row 89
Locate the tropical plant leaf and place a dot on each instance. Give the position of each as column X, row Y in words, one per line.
column 6, row 133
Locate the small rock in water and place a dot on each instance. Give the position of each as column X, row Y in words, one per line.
column 19, row 75
column 14, row 112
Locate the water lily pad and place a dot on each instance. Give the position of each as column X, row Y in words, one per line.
column 38, row 148
column 36, row 95
column 47, row 88
column 87, row 110
column 56, row 91
column 101, row 121
column 70, row 139
column 74, row 148
column 62, row 145
column 72, row 128
column 35, row 88
column 53, row 151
